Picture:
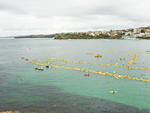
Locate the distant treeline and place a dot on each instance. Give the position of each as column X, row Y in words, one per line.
column 86, row 36
column 73, row 36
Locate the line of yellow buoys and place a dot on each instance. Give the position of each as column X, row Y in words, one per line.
column 101, row 64
column 133, row 59
column 114, row 74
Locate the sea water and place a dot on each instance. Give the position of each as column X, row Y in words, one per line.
column 24, row 89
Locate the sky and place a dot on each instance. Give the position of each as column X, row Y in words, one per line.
column 25, row 17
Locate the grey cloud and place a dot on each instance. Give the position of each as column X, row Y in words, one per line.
column 71, row 15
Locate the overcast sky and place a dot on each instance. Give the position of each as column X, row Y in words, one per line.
column 22, row 17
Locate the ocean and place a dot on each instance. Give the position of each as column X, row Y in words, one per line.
column 59, row 90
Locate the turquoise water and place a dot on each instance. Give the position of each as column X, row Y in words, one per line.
column 22, row 88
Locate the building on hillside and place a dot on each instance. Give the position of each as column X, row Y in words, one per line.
column 128, row 33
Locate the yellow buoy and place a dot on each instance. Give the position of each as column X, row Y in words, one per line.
column 113, row 91
column 39, row 68
column 98, row 56
column 21, row 79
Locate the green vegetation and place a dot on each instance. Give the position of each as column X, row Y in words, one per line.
column 143, row 37
column 86, row 36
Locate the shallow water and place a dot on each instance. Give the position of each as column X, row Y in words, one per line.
column 24, row 89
